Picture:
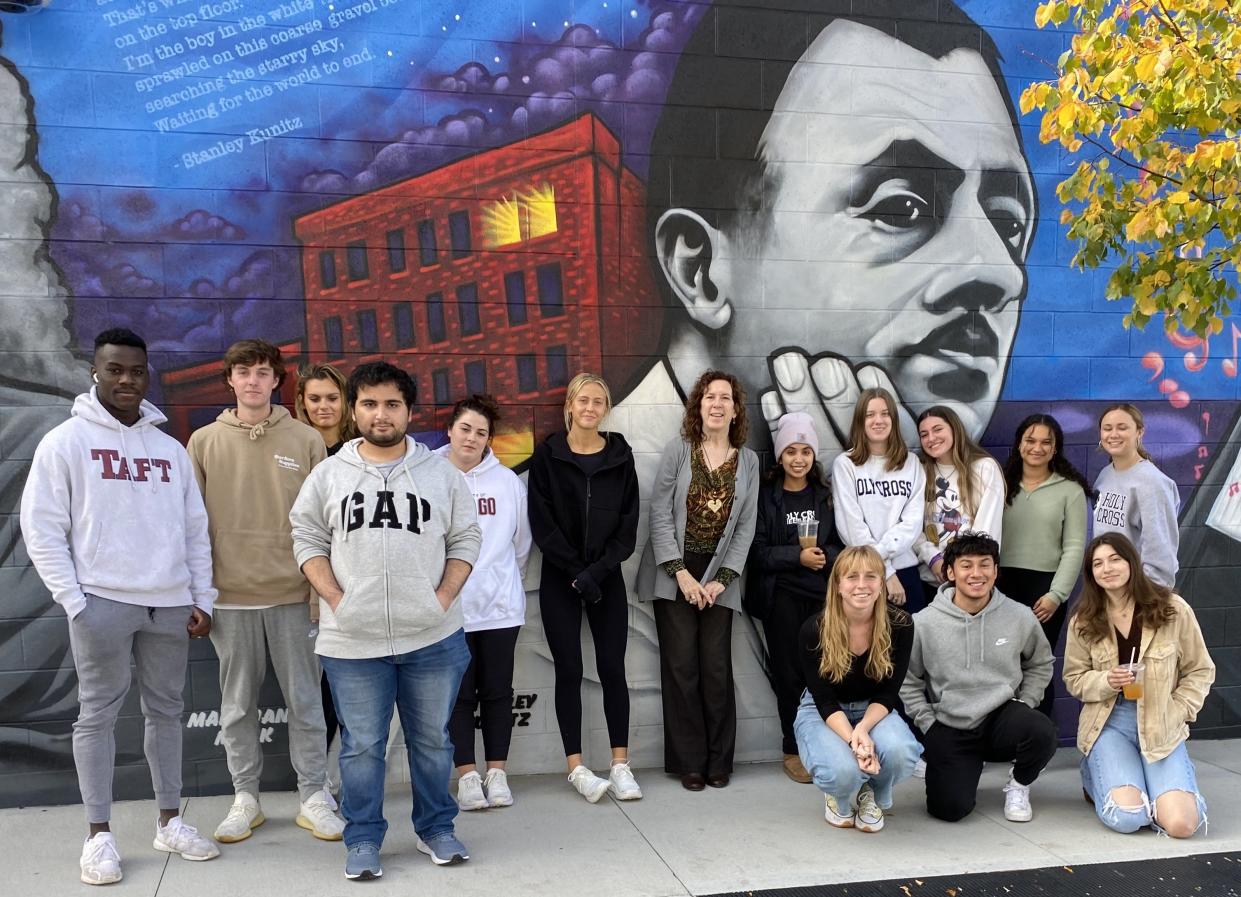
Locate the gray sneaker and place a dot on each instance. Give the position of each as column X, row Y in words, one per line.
column 362, row 863
column 444, row 849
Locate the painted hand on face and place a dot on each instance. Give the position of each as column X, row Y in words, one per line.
column 827, row 388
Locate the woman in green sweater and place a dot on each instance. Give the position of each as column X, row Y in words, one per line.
column 1044, row 527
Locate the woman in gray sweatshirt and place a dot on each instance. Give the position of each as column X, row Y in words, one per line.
column 1136, row 498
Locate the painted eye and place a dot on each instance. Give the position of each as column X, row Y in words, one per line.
column 902, row 210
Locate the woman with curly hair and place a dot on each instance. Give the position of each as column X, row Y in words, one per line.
column 1132, row 729
column 704, row 502
column 854, row 657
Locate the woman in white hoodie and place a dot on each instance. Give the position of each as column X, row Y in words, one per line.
column 494, row 602
column 964, row 491
column 878, row 487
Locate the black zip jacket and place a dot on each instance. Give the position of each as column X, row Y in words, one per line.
column 585, row 526
column 771, row 551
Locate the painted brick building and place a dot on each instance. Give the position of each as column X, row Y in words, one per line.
column 504, row 272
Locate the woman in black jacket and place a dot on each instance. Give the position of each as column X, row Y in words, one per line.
column 583, row 500
column 788, row 582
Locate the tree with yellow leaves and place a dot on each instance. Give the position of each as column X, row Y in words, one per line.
column 1150, row 91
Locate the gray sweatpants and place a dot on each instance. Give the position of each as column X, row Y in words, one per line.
column 243, row 639
column 104, row 638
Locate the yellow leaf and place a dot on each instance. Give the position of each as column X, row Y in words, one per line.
column 1180, row 197
column 1145, row 68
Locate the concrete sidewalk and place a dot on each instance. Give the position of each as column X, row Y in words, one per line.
column 763, row 831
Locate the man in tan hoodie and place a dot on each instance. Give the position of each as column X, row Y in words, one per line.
column 251, row 463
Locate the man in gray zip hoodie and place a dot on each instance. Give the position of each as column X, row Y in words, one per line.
column 386, row 533
column 979, row 666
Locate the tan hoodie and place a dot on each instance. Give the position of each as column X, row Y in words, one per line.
column 250, row 477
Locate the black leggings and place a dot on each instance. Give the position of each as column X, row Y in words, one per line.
column 782, row 631
column 561, row 606
column 1026, row 587
column 487, row 685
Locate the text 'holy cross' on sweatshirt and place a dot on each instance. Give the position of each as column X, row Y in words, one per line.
column 880, row 507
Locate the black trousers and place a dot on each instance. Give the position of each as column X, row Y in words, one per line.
column 562, row 608
column 696, row 674
column 782, row 629
column 488, row 686
column 1026, row 587
column 954, row 757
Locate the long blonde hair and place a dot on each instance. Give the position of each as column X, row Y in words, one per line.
column 575, row 386
column 835, row 658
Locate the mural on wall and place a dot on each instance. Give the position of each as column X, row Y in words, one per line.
column 820, row 196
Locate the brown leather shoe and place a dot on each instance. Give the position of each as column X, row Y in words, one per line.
column 718, row 780
column 693, row 782
column 794, row 770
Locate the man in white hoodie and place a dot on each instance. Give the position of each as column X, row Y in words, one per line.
column 101, row 484
column 386, row 532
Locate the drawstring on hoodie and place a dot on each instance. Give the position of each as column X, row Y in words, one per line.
column 258, row 430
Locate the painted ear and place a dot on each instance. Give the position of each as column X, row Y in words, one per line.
column 690, row 255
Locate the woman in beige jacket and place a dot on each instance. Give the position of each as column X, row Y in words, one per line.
column 1133, row 726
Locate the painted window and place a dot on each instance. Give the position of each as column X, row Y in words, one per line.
column 436, row 328
column 396, row 250
column 403, row 323
column 467, row 309
column 428, row 251
column 557, row 366
column 527, row 374
column 368, row 330
column 439, row 387
column 551, row 290
column 355, row 257
column 459, row 234
column 515, row 297
column 327, row 269
column 475, row 377
column 334, row 336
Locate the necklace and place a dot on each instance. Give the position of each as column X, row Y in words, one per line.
column 706, row 456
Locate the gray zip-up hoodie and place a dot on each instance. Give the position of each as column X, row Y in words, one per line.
column 388, row 538
column 964, row 666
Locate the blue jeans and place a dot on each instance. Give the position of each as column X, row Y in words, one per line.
column 1116, row 761
column 423, row 684
column 830, row 761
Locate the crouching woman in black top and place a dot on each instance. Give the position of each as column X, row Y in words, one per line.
column 854, row 656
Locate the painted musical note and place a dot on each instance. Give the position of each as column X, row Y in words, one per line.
column 1153, row 361
column 1190, row 342
column 1203, row 452
column 1198, row 472
column 1230, row 364
column 1206, row 423
column 1233, row 488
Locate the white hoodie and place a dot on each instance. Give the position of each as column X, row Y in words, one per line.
column 115, row 511
column 946, row 516
column 880, row 507
column 493, row 596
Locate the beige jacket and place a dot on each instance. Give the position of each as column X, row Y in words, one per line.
column 250, row 477
column 1178, row 675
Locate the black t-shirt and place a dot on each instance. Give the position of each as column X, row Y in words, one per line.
column 1129, row 646
column 856, row 685
column 802, row 582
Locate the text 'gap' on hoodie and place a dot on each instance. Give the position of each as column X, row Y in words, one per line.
column 115, row 511
column 493, row 597
column 388, row 538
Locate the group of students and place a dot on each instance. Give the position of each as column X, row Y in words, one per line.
column 877, row 592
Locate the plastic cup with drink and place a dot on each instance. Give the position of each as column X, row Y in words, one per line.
column 1133, row 690
column 808, row 533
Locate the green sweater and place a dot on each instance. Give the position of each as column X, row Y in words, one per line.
column 1046, row 530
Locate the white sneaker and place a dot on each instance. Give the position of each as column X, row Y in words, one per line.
column 177, row 837
column 920, row 769
column 244, row 816
column 101, row 864
column 622, row 783
column 498, row 793
column 1017, row 802
column 318, row 816
column 834, row 816
column 589, row 785
column 470, row 792
column 868, row 818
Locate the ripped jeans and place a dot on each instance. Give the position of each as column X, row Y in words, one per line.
column 1115, row 761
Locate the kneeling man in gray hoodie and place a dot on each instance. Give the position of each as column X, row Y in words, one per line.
column 979, row 666
column 386, row 532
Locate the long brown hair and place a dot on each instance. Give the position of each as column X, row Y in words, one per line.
column 1151, row 608
column 835, row 658
column 346, row 428
column 859, row 451
column 965, row 452
column 691, row 423
column 1138, row 421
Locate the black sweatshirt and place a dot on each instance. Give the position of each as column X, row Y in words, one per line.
column 775, row 555
column 857, row 686
column 584, row 525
